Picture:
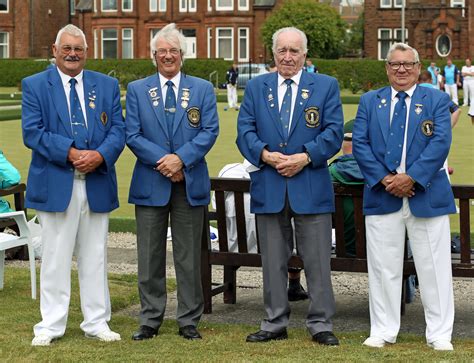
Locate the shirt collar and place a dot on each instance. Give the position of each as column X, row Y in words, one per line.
column 65, row 78
column 409, row 92
column 296, row 78
column 176, row 79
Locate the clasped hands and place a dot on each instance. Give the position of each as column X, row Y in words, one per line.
column 399, row 185
column 285, row 165
column 85, row 161
column 171, row 166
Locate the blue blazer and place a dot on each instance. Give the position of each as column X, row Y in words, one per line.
column 195, row 130
column 426, row 152
column 316, row 128
column 47, row 131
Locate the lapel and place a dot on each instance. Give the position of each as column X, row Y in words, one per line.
column 90, row 97
column 153, row 86
column 414, row 118
column 270, row 95
column 306, row 83
column 184, row 83
column 382, row 108
column 56, row 90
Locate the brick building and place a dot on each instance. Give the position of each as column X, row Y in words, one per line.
column 28, row 27
column 436, row 28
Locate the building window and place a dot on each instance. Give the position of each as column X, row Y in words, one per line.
column 443, row 45
column 458, row 3
column 243, row 44
column 109, row 5
column 95, row 6
column 209, row 5
column 224, row 42
column 386, row 37
column 127, row 43
column 127, row 5
column 4, row 48
column 187, row 6
column 96, row 44
column 157, row 5
column 224, row 4
column 4, row 6
column 243, row 5
column 209, row 42
column 109, row 43
column 398, row 3
column 72, row 6
column 385, row 3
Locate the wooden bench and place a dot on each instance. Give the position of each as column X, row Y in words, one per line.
column 340, row 261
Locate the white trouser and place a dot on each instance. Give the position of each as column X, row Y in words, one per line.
column 452, row 91
column 431, row 247
column 468, row 91
column 232, row 95
column 84, row 232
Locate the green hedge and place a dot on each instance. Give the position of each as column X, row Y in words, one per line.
column 14, row 70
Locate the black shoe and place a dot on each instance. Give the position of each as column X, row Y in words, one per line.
column 265, row 336
column 297, row 293
column 189, row 332
column 326, row 338
column 145, row 332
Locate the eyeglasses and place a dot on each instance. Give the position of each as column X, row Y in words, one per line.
column 293, row 51
column 173, row 51
column 395, row 66
column 66, row 49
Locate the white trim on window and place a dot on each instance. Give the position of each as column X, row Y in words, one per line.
column 187, row 6
column 96, row 44
column 95, row 6
column 385, row 3
column 5, row 46
column 109, row 39
column 224, row 5
column 127, row 38
column 5, row 3
column 243, row 5
column 380, row 39
column 126, row 10
column 157, row 5
column 397, row 3
column 219, row 38
column 108, row 10
column 72, row 7
column 209, row 5
column 243, row 35
column 458, row 3
column 209, row 42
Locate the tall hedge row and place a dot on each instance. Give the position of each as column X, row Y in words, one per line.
column 354, row 74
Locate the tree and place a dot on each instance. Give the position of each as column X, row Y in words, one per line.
column 321, row 23
column 355, row 44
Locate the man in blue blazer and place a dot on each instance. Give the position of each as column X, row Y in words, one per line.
column 401, row 139
column 171, row 125
column 289, row 125
column 72, row 120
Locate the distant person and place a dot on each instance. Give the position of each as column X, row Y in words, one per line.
column 72, row 120
column 467, row 72
column 435, row 72
column 451, row 80
column 401, row 138
column 9, row 176
column 310, row 67
column 231, row 77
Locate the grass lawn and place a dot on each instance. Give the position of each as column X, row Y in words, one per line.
column 221, row 343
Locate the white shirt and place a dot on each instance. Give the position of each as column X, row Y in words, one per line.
column 294, row 90
column 402, row 167
column 176, row 79
column 468, row 70
column 79, row 89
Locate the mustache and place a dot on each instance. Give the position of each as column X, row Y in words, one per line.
column 71, row 58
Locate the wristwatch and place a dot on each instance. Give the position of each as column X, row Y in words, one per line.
column 308, row 156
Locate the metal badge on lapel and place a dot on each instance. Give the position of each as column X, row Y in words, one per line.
column 427, row 127
column 194, row 116
column 304, row 94
column 103, row 118
column 418, row 108
column 311, row 115
column 92, row 97
column 154, row 96
column 185, row 98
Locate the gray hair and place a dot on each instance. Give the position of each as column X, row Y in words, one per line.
column 290, row 29
column 403, row 47
column 71, row 30
column 172, row 35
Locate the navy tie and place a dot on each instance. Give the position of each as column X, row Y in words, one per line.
column 78, row 124
column 396, row 136
column 170, row 107
column 285, row 110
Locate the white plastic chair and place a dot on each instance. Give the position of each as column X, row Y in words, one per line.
column 8, row 241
